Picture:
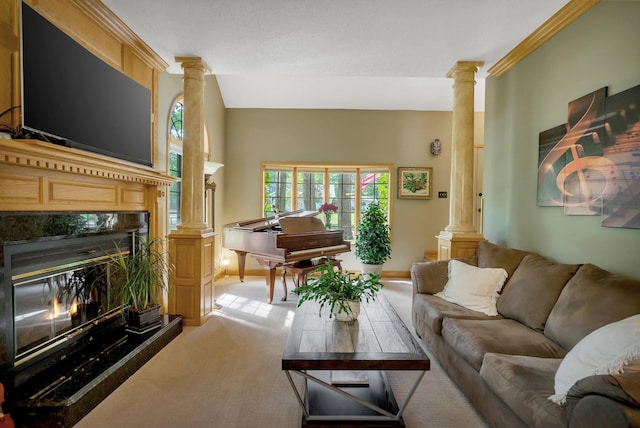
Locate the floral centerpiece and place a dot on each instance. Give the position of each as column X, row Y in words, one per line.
column 327, row 209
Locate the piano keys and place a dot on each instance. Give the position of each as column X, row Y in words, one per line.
column 286, row 238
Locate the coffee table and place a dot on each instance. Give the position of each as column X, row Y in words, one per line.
column 343, row 365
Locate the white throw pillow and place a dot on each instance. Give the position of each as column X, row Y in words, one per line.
column 606, row 350
column 473, row 287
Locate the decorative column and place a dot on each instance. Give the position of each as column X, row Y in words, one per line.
column 191, row 246
column 192, row 193
column 460, row 238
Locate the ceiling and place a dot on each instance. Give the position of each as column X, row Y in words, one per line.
column 336, row 54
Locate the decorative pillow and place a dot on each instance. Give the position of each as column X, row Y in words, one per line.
column 474, row 288
column 533, row 289
column 606, row 350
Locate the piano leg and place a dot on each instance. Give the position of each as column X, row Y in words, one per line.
column 242, row 258
column 284, row 283
column 270, row 276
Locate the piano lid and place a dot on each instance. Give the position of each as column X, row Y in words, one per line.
column 259, row 224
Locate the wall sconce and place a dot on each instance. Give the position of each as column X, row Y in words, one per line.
column 436, row 147
column 210, row 167
column 225, row 263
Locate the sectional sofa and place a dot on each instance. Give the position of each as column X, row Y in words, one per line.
column 532, row 342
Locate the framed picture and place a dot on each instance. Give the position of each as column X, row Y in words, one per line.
column 414, row 183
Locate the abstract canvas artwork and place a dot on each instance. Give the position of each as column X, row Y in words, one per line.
column 591, row 164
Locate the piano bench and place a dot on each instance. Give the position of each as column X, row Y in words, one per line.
column 299, row 272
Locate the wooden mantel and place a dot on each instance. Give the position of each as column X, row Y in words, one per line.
column 38, row 154
column 39, row 176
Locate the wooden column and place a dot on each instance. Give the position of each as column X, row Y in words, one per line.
column 460, row 238
column 191, row 245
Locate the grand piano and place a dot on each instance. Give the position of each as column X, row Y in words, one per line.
column 283, row 239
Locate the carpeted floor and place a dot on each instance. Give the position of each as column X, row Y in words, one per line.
column 227, row 373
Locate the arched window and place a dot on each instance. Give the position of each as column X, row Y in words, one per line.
column 175, row 160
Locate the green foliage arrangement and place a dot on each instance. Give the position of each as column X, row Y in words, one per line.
column 373, row 242
column 332, row 288
column 142, row 275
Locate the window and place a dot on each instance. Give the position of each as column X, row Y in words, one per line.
column 175, row 191
column 175, row 161
column 308, row 186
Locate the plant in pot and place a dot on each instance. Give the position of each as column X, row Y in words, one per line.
column 141, row 277
column 340, row 291
column 373, row 242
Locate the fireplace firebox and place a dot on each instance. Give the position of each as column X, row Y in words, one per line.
column 63, row 345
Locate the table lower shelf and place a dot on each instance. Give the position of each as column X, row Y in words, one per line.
column 328, row 408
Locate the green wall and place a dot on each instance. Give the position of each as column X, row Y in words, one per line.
column 601, row 48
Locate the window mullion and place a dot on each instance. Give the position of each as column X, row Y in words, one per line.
column 294, row 189
column 326, row 185
column 358, row 198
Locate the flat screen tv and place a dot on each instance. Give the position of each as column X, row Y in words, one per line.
column 72, row 96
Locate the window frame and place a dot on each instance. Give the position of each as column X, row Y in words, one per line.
column 358, row 168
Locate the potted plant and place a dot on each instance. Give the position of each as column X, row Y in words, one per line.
column 340, row 291
column 373, row 243
column 141, row 276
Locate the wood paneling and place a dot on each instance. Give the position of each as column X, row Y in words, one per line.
column 35, row 189
column 74, row 193
column 135, row 67
column 133, row 196
column 19, row 188
column 191, row 288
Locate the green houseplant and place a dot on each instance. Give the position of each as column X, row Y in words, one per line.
column 340, row 291
column 141, row 276
column 373, row 241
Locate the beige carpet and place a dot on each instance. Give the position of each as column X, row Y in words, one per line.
column 227, row 373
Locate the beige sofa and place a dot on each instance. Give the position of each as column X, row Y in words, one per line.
column 506, row 364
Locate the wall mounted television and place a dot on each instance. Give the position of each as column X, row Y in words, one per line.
column 74, row 98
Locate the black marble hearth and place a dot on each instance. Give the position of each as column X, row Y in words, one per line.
column 64, row 393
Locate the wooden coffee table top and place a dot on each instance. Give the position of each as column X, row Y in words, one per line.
column 378, row 340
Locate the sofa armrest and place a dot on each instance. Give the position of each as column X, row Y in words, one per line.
column 611, row 398
column 431, row 277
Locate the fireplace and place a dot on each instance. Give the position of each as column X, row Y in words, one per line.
column 61, row 327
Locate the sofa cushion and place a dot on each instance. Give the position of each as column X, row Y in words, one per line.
column 524, row 383
column 472, row 339
column 592, row 298
column 473, row 287
column 429, row 311
column 533, row 290
column 493, row 256
column 604, row 351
